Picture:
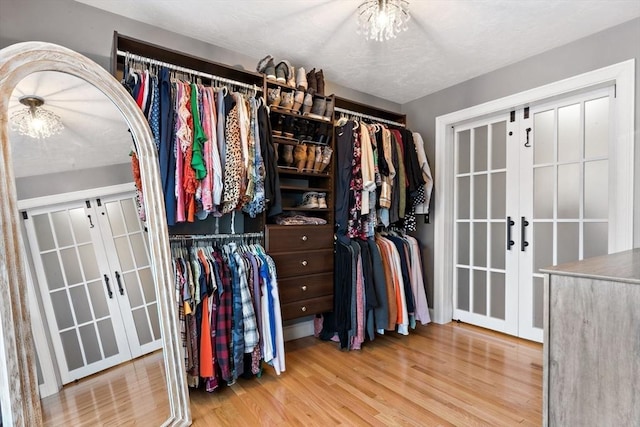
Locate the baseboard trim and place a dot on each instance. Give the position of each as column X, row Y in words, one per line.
column 298, row 330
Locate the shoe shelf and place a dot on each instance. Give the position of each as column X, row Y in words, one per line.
column 299, row 209
column 297, row 114
column 278, row 139
column 290, row 170
column 304, row 189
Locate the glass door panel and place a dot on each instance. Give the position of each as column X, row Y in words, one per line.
column 73, row 292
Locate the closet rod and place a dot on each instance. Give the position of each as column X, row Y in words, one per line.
column 367, row 116
column 187, row 70
column 178, row 237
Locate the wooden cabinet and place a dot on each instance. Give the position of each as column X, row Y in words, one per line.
column 303, row 255
column 592, row 342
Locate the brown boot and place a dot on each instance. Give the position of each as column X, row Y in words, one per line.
column 287, row 154
column 320, row 82
column 312, row 86
column 311, row 157
column 300, row 156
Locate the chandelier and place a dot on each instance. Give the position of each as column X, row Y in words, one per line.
column 34, row 121
column 382, row 19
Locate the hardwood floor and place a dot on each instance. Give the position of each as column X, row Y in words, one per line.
column 452, row 374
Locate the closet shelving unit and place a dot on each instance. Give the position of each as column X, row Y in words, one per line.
column 303, row 254
column 204, row 69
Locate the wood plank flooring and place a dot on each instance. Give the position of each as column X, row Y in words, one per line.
column 439, row 375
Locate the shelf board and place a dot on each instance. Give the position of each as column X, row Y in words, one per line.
column 305, row 189
column 293, row 171
column 298, row 115
column 294, row 208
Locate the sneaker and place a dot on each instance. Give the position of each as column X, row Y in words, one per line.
column 270, row 69
column 309, row 200
column 322, row 200
column 283, row 71
column 262, row 64
column 301, row 80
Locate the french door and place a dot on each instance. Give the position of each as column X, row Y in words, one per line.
column 92, row 264
column 531, row 191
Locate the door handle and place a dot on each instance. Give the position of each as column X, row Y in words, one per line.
column 119, row 283
column 510, row 224
column 523, row 234
column 106, row 282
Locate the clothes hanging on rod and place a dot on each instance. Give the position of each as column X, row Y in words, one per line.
column 381, row 179
column 214, row 143
column 229, row 310
column 378, row 287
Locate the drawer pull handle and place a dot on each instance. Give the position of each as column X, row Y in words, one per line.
column 303, row 308
column 304, row 263
column 304, row 238
column 304, row 288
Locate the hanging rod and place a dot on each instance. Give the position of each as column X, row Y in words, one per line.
column 367, row 116
column 187, row 70
column 179, row 237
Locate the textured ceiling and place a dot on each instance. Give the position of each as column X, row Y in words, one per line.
column 448, row 41
column 95, row 133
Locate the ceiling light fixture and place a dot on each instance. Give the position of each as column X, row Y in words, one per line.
column 381, row 20
column 35, row 121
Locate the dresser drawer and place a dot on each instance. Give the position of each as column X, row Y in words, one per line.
column 289, row 238
column 302, row 263
column 304, row 287
column 306, row 307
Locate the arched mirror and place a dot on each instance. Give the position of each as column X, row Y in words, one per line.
column 95, row 265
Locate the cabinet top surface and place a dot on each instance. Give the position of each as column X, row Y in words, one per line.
column 620, row 267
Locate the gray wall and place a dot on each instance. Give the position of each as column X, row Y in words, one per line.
column 89, row 31
column 608, row 47
column 66, row 182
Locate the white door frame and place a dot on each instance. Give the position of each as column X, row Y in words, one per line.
column 622, row 75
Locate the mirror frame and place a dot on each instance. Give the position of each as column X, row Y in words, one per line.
column 19, row 396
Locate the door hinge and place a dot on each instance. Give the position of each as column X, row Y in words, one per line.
column 99, row 202
column 25, row 215
column 512, row 116
column 88, row 203
column 526, row 112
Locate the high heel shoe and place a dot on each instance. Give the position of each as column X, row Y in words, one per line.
column 300, row 156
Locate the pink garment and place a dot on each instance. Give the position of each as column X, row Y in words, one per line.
column 206, row 185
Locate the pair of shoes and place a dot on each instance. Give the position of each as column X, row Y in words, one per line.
column 311, row 157
column 287, row 101
column 286, row 154
column 326, row 157
column 313, row 200
column 315, row 81
column 298, row 99
column 307, row 103
column 273, row 97
column 317, row 165
column 282, row 72
column 318, row 108
column 301, row 80
column 300, row 156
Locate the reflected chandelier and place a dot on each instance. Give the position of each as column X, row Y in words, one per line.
column 382, row 19
column 34, row 121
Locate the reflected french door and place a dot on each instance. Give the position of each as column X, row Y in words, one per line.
column 531, row 191
column 92, row 264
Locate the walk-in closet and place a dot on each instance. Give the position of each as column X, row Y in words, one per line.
column 318, row 213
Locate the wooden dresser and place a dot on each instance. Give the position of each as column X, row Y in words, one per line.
column 592, row 342
column 303, row 255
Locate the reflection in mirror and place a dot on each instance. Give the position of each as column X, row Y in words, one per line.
column 70, row 250
column 62, row 275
